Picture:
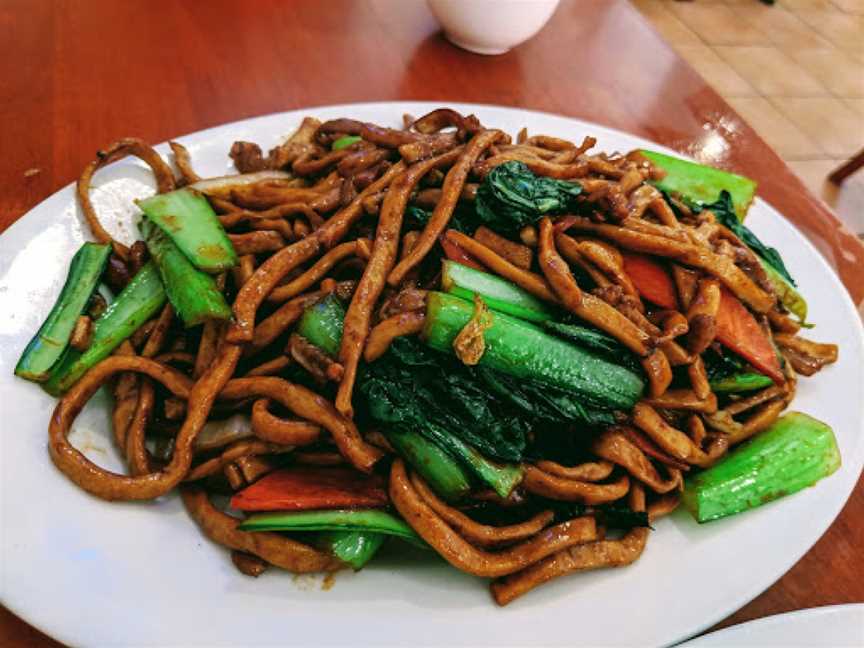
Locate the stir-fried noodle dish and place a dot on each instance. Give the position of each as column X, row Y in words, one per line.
column 513, row 353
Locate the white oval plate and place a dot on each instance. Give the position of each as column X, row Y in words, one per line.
column 93, row 573
column 833, row 626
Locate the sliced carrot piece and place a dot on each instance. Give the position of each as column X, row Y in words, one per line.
column 456, row 252
column 302, row 488
column 739, row 331
column 651, row 279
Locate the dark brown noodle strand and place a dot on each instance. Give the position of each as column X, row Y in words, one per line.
column 658, row 371
column 210, row 333
column 118, row 150
column 336, row 227
column 272, row 428
column 137, row 457
column 615, row 447
column 590, row 471
column 384, row 251
column 533, row 283
column 519, row 255
column 591, row 309
column 237, row 450
column 450, row 192
column 605, row 553
column 274, row 548
column 555, row 269
column 318, row 271
column 312, row 407
column 134, row 447
column 541, row 483
column 387, row 330
column 184, row 162
column 268, row 275
column 279, row 322
column 481, row 535
column 459, row 553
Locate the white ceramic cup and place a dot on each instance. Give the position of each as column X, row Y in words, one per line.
column 491, row 26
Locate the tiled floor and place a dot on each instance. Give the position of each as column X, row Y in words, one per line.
column 794, row 71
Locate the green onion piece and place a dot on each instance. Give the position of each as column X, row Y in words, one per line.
column 48, row 345
column 140, row 300
column 344, row 142
column 499, row 294
column 190, row 222
column 192, row 293
column 795, row 452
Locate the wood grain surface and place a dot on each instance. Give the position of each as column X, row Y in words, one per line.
column 75, row 76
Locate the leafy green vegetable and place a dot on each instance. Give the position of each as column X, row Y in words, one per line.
column 729, row 373
column 540, row 402
column 414, row 387
column 724, row 210
column 463, row 219
column 373, row 520
column 596, row 341
column 511, row 197
column 614, row 515
column 722, row 364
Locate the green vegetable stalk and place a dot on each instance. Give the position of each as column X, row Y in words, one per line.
column 322, row 322
column 192, row 293
column 522, row 350
column 354, row 548
column 140, row 300
column 497, row 293
column 702, row 183
column 190, row 222
column 787, row 293
column 49, row 343
column 367, row 520
column 796, row 452
column 444, row 475
column 344, row 142
column 742, row 382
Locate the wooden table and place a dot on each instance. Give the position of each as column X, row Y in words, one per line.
column 77, row 76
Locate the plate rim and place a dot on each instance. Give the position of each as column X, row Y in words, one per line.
column 774, row 619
